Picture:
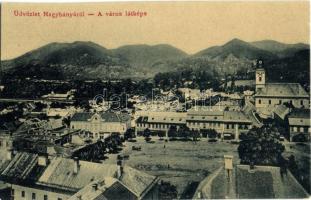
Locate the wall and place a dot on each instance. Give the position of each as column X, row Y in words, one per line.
column 39, row 194
column 276, row 101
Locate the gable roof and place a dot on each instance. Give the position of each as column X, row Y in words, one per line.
column 22, row 167
column 60, row 174
column 299, row 117
column 236, row 116
column 260, row 182
column 163, row 117
column 282, row 90
column 106, row 116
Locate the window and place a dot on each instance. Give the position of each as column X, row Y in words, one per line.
column 280, row 101
column 260, row 78
column 301, row 102
column 259, row 101
column 0, row 143
column 33, row 196
column 305, row 129
column 23, row 194
column 45, row 197
column 269, row 101
column 12, row 192
column 228, row 126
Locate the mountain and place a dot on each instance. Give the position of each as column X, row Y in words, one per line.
column 146, row 55
column 88, row 60
column 237, row 48
column 275, row 47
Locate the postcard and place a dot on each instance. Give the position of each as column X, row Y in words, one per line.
column 157, row 100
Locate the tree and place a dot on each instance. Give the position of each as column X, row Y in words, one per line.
column 172, row 131
column 183, row 132
column 161, row 134
column 261, row 146
column 195, row 135
column 147, row 134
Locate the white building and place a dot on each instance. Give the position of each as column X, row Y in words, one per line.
column 160, row 121
column 101, row 124
column 268, row 95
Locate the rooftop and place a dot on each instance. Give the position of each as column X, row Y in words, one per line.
column 105, row 116
column 245, row 183
column 60, row 174
column 282, row 90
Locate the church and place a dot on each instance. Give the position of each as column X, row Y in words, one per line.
column 269, row 95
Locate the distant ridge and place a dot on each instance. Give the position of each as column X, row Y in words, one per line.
column 88, row 60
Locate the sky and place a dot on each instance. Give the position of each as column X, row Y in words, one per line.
column 189, row 26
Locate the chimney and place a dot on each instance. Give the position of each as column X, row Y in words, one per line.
column 76, row 166
column 119, row 169
column 43, row 160
column 94, row 187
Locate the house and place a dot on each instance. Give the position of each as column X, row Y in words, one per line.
column 188, row 93
column 229, row 124
column 31, row 176
column 160, row 121
column 240, row 83
column 269, row 95
column 248, row 95
column 60, row 96
column 244, row 182
column 113, row 188
column 299, row 123
column 101, row 124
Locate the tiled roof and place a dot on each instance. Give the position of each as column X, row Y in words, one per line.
column 137, row 181
column 282, row 90
column 163, row 117
column 20, row 167
column 299, row 117
column 235, row 116
column 281, row 111
column 82, row 116
column 60, row 174
column 266, row 182
column 106, row 116
column 260, row 182
column 299, row 113
column 118, row 191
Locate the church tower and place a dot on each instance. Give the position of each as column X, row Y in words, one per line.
column 260, row 76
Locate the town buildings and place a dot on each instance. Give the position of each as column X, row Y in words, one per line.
column 102, row 124
column 160, row 121
column 245, row 182
column 299, row 124
column 35, row 177
column 268, row 95
column 229, row 124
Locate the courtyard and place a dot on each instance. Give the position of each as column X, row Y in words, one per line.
column 183, row 164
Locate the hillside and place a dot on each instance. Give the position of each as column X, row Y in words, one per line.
column 88, row 60
column 146, row 55
column 237, row 48
column 278, row 47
